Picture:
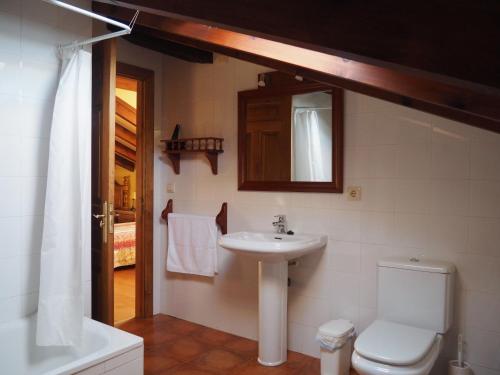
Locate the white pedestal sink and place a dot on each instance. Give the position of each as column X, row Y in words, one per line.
column 273, row 252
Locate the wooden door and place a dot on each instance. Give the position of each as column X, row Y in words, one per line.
column 103, row 153
column 268, row 138
column 144, row 119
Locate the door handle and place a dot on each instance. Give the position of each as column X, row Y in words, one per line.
column 100, row 218
column 104, row 221
column 111, row 218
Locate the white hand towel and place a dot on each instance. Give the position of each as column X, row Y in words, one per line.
column 192, row 244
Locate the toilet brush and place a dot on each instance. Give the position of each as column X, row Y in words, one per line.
column 459, row 366
column 460, row 350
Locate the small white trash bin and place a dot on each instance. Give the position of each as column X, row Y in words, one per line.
column 335, row 339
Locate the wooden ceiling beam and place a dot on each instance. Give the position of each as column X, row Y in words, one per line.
column 125, row 163
column 125, row 151
column 475, row 105
column 453, row 39
column 126, row 83
column 143, row 38
column 126, row 111
column 124, row 134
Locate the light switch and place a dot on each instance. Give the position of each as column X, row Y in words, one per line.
column 354, row 193
column 170, row 188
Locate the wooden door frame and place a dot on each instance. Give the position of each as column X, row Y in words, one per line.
column 144, row 183
column 103, row 171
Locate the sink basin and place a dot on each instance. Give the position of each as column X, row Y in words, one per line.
column 273, row 252
column 272, row 247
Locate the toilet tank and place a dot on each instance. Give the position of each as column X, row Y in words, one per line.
column 416, row 292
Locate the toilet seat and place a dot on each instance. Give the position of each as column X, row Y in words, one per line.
column 393, row 343
column 392, row 348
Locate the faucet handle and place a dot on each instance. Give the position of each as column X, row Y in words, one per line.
column 280, row 217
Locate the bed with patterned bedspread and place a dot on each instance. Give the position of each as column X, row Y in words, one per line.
column 124, row 249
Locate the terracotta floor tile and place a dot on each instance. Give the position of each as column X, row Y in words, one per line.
column 252, row 367
column 242, row 346
column 297, row 360
column 183, row 327
column 219, row 361
column 177, row 347
column 312, row 368
column 212, row 336
column 185, row 349
column 187, row 369
column 155, row 363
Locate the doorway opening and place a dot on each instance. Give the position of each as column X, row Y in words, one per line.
column 124, row 254
column 122, row 188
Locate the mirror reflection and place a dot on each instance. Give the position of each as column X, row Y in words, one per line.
column 289, row 137
column 312, row 137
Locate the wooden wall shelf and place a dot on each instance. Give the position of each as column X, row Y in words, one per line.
column 210, row 146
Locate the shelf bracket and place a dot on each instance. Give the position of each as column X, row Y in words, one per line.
column 212, row 159
column 176, row 162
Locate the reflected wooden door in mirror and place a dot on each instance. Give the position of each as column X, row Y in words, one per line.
column 290, row 136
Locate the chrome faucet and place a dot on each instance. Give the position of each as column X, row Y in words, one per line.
column 280, row 224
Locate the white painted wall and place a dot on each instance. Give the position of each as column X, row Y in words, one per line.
column 431, row 187
column 29, row 32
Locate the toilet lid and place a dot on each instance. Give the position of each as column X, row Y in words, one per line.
column 393, row 343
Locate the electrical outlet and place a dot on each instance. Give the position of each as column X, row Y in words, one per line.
column 354, row 193
column 170, row 188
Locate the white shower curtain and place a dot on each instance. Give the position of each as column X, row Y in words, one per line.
column 66, row 228
column 308, row 158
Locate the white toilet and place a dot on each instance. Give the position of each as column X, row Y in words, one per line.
column 414, row 310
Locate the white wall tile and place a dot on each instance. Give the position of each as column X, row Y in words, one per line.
column 39, row 79
column 450, row 156
column 377, row 227
column 481, row 310
column 33, row 192
column 448, row 233
column 484, row 236
column 29, row 34
column 413, row 131
column 10, row 74
column 345, row 225
column 344, row 256
column 11, row 153
column 480, row 370
column 413, row 196
column 10, row 196
column 35, row 116
column 34, row 157
column 9, row 276
column 483, row 348
column 382, row 162
column 485, row 198
column 430, row 188
column 450, row 197
column 484, row 157
column 411, row 230
column 10, row 233
column 479, row 273
column 413, row 161
column 10, row 107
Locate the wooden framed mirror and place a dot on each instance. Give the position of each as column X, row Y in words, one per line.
column 290, row 137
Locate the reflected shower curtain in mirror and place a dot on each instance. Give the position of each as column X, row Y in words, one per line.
column 309, row 163
column 66, row 226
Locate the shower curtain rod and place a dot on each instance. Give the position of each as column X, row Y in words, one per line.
column 126, row 29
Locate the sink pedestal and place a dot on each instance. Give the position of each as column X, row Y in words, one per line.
column 273, row 252
column 273, row 292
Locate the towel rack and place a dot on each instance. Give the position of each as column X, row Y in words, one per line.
column 220, row 219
